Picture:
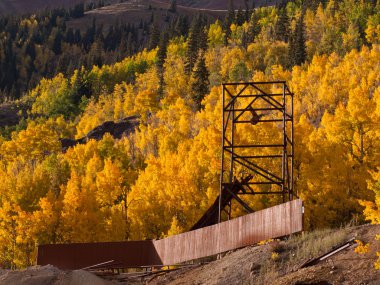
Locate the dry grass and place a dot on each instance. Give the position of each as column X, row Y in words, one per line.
column 257, row 264
column 310, row 245
column 297, row 250
column 268, row 271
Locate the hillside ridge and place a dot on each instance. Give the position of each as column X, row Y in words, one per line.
column 275, row 262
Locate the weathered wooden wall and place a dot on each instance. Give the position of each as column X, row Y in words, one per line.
column 79, row 255
column 273, row 222
column 278, row 221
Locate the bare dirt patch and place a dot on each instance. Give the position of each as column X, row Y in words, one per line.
column 49, row 275
column 28, row 6
column 221, row 4
column 137, row 11
column 258, row 265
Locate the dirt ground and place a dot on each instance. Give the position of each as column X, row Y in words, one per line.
column 49, row 275
column 347, row 267
column 220, row 4
column 254, row 265
column 251, row 265
column 12, row 7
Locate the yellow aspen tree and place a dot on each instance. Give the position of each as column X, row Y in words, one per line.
column 176, row 80
column 47, row 219
column 215, row 36
column 81, row 218
column 167, row 129
column 8, row 234
column 372, row 208
column 373, row 30
column 25, row 242
column 111, row 197
column 33, row 143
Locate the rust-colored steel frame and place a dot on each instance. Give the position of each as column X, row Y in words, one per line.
column 254, row 98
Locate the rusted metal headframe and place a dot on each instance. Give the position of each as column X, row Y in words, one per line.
column 268, row 164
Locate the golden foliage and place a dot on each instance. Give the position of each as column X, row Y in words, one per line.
column 160, row 180
column 361, row 248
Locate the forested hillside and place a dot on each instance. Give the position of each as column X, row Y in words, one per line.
column 159, row 180
column 51, row 42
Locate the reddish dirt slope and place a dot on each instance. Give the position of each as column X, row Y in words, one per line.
column 28, row 6
column 134, row 12
column 221, row 4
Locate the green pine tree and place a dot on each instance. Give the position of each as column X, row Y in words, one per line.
column 200, row 81
column 154, row 37
column 247, row 11
column 281, row 29
column 229, row 20
column 161, row 56
column 196, row 40
column 297, row 44
column 254, row 27
column 240, row 17
column 231, row 12
column 173, row 6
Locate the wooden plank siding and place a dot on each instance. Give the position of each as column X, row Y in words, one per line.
column 274, row 222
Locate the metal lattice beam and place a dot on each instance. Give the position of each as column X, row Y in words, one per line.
column 257, row 104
